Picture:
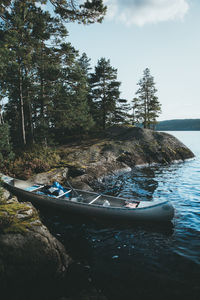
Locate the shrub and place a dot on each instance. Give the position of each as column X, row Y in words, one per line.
column 38, row 159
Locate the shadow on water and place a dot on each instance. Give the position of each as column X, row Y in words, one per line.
column 123, row 258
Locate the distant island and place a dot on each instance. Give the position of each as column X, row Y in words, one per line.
column 179, row 125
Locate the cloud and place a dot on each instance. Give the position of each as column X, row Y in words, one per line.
column 140, row 12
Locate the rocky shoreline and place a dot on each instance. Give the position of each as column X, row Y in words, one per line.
column 28, row 251
column 122, row 149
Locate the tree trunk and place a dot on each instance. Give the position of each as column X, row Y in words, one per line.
column 22, row 106
column 31, row 134
column 104, row 115
column 29, row 114
column 42, row 97
column 104, row 106
column 1, row 116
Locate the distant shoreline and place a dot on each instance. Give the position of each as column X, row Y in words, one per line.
column 179, row 125
column 177, row 129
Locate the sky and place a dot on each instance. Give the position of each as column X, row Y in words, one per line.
column 162, row 35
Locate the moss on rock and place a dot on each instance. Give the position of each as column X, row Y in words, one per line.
column 16, row 217
column 28, row 250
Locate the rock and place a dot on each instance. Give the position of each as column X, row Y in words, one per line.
column 76, row 171
column 51, row 176
column 122, row 149
column 6, row 194
column 28, row 251
column 81, row 183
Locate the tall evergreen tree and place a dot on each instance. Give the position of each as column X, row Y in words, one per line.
column 18, row 47
column 84, row 62
column 70, row 110
column 48, row 67
column 86, row 12
column 104, row 93
column 146, row 105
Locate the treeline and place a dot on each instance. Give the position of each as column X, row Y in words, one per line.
column 50, row 88
column 179, row 124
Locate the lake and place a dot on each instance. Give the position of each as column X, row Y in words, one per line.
column 137, row 262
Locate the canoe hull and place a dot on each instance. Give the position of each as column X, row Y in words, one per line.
column 160, row 211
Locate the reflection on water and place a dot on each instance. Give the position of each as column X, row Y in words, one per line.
column 133, row 261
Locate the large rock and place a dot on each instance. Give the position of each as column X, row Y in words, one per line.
column 56, row 174
column 144, row 146
column 29, row 254
column 122, row 149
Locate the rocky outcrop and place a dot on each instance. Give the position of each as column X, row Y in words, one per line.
column 144, row 146
column 28, row 251
column 122, row 149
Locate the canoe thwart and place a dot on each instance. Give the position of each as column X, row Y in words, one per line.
column 34, row 188
column 94, row 199
column 64, row 194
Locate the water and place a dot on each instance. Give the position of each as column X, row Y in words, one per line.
column 136, row 262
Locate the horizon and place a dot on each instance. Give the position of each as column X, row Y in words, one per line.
column 180, row 119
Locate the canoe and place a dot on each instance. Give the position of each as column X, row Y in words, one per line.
column 91, row 204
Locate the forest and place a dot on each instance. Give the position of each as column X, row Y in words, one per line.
column 50, row 89
column 49, row 92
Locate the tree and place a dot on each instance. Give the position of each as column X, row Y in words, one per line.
column 70, row 111
column 32, row 43
column 6, row 153
column 17, row 47
column 88, row 12
column 84, row 63
column 146, row 106
column 104, row 93
column 122, row 112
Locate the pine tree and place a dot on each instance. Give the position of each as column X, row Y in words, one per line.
column 104, row 93
column 17, row 44
column 70, row 110
column 146, row 106
column 84, row 62
column 48, row 71
column 86, row 12
column 122, row 112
